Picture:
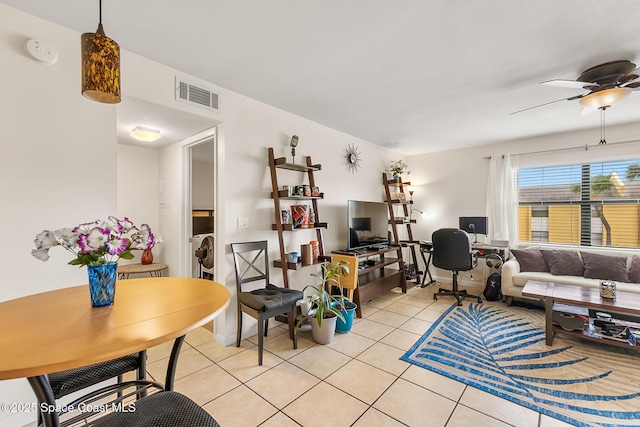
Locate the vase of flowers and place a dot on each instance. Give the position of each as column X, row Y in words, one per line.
column 397, row 168
column 98, row 245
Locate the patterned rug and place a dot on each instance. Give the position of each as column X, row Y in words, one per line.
column 501, row 350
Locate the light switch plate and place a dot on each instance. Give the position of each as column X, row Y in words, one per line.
column 243, row 223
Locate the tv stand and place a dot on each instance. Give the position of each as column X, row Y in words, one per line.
column 376, row 276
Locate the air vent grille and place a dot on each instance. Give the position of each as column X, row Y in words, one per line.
column 196, row 95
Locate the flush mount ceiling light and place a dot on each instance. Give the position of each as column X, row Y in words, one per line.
column 100, row 66
column 145, row 134
column 605, row 98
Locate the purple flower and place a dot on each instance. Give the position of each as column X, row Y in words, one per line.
column 117, row 246
column 95, row 241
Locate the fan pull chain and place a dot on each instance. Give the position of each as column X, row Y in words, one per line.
column 602, row 140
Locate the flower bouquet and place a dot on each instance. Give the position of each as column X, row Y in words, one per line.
column 397, row 168
column 98, row 245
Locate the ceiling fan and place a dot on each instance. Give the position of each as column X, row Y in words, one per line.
column 607, row 84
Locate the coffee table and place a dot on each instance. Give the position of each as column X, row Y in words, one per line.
column 550, row 293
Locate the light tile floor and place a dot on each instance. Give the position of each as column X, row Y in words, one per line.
column 357, row 380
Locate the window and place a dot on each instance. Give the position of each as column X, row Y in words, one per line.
column 591, row 204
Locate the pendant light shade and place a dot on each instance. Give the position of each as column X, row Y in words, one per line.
column 100, row 66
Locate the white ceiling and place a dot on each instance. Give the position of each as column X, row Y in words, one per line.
column 416, row 75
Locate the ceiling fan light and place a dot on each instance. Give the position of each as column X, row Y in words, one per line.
column 605, row 98
column 145, row 134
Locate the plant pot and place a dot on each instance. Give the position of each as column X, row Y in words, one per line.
column 343, row 327
column 323, row 334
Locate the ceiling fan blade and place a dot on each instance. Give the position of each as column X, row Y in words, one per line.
column 568, row 83
column 573, row 98
column 630, row 76
column 633, row 85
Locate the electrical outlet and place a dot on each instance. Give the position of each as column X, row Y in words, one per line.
column 243, row 223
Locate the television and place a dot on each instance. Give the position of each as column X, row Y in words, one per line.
column 474, row 224
column 368, row 224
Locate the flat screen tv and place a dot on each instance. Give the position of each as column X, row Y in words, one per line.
column 368, row 224
column 474, row 224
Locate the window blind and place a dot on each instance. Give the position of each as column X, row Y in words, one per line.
column 589, row 204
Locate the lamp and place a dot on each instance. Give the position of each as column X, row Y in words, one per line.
column 424, row 215
column 145, row 134
column 604, row 98
column 100, row 66
column 294, row 144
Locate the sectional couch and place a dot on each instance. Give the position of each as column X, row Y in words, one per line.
column 579, row 267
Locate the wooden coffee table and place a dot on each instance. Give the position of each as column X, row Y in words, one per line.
column 579, row 296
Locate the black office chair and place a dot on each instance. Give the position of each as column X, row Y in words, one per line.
column 252, row 264
column 452, row 251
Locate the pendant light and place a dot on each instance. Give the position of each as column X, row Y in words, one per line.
column 100, row 66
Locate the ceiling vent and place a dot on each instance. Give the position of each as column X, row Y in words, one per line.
column 197, row 95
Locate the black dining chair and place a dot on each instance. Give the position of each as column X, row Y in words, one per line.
column 70, row 381
column 452, row 251
column 252, row 265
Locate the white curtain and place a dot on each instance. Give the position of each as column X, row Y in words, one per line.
column 502, row 200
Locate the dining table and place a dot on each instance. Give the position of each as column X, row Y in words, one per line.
column 60, row 330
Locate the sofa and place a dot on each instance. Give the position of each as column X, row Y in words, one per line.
column 579, row 267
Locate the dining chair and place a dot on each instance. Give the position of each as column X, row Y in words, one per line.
column 70, row 381
column 452, row 251
column 251, row 262
column 350, row 281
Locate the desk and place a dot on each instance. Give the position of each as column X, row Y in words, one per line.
column 58, row 330
column 154, row 270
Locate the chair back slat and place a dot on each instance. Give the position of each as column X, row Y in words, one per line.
column 251, row 262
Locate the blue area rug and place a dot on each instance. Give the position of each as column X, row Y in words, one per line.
column 501, row 350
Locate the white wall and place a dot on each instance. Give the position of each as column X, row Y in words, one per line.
column 57, row 165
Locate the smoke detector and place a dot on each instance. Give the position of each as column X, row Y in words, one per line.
column 41, row 51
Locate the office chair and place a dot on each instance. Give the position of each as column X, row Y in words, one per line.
column 252, row 264
column 452, row 251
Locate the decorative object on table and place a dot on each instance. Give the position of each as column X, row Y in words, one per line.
column 298, row 190
column 397, row 168
column 574, row 381
column 100, row 66
column 294, row 144
column 300, row 216
column 98, row 245
column 307, row 190
column 147, row 257
column 352, row 158
column 608, row 289
column 324, row 308
column 315, row 192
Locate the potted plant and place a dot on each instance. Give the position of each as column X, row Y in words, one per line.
column 324, row 308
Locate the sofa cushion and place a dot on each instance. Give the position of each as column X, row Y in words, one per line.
column 563, row 262
column 634, row 270
column 530, row 260
column 605, row 267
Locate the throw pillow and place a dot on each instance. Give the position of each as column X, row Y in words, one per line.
column 530, row 260
column 634, row 270
column 563, row 262
column 605, row 267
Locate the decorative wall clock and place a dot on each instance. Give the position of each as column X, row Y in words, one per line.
column 352, row 158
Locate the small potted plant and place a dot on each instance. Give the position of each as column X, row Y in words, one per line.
column 324, row 308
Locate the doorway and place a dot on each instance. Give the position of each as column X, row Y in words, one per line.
column 200, row 207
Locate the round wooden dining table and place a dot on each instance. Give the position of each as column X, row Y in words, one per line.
column 59, row 330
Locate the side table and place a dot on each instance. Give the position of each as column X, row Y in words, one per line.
column 154, row 270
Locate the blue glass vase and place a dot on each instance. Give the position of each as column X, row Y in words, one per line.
column 102, row 283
